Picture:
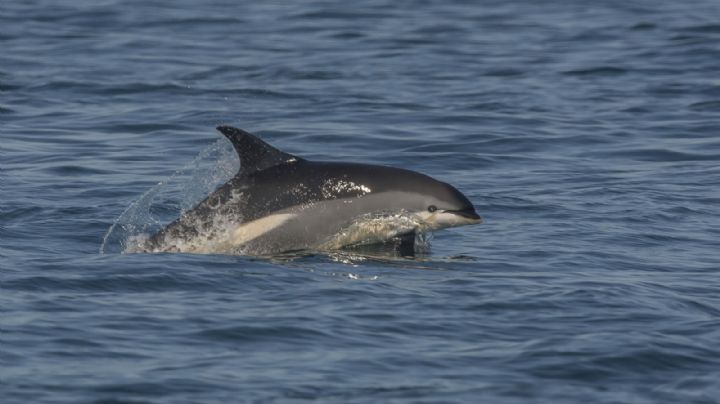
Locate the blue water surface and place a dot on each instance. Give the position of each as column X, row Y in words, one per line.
column 586, row 133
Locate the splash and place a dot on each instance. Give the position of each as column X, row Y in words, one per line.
column 170, row 198
column 381, row 227
column 208, row 237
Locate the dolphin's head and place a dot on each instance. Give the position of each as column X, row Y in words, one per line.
column 438, row 204
column 441, row 205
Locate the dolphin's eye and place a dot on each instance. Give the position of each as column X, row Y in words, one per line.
column 432, row 208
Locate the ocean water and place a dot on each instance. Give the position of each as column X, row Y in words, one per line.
column 587, row 134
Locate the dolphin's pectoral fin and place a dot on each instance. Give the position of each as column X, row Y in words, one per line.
column 399, row 246
column 255, row 155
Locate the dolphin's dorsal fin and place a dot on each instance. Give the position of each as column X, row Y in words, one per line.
column 255, row 155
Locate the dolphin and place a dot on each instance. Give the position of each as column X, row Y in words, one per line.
column 278, row 202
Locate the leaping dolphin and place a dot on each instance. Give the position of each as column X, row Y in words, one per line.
column 278, row 202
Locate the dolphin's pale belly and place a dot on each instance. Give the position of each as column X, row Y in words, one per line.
column 323, row 225
column 364, row 229
column 331, row 225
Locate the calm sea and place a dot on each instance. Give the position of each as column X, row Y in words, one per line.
column 586, row 133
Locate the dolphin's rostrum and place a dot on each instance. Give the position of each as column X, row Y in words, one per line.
column 278, row 202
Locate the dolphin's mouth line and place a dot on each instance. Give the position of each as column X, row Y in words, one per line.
column 466, row 213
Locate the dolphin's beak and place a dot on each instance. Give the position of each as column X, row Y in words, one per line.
column 469, row 214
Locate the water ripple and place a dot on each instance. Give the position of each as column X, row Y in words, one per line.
column 585, row 137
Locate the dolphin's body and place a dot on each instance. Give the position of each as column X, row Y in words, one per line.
column 279, row 202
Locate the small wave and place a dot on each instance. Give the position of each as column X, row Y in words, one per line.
column 75, row 170
column 183, row 22
column 346, row 35
column 644, row 26
column 339, row 15
column 657, row 155
column 713, row 106
column 597, row 71
column 105, row 89
column 705, row 29
column 247, row 333
column 104, row 283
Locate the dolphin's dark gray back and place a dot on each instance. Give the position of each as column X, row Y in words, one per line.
column 279, row 180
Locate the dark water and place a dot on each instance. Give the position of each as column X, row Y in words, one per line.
column 586, row 133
